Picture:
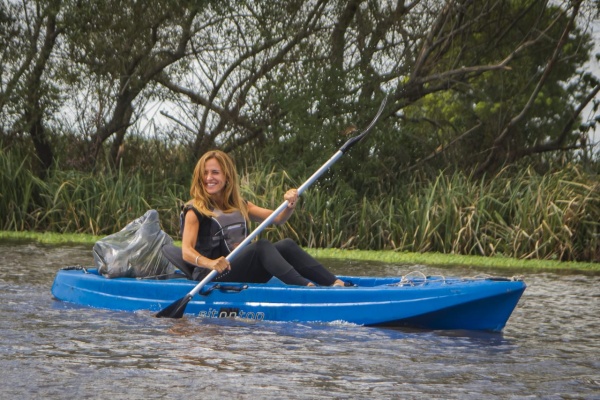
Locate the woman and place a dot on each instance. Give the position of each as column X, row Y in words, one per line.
column 217, row 224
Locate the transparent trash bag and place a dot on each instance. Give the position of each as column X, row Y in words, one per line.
column 135, row 251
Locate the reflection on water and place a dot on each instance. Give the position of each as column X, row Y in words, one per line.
column 549, row 349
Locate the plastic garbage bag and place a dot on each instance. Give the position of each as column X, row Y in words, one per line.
column 135, row 251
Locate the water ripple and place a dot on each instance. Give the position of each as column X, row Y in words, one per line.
column 549, row 349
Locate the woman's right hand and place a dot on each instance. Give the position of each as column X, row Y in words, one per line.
column 220, row 265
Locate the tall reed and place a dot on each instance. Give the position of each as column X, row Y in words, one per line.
column 81, row 202
column 516, row 213
column 18, row 188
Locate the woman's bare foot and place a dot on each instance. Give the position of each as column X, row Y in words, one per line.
column 310, row 284
column 339, row 282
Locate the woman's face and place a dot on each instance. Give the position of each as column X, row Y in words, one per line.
column 214, row 178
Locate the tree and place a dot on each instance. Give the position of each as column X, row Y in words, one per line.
column 472, row 84
column 30, row 32
column 125, row 51
column 229, row 101
column 529, row 106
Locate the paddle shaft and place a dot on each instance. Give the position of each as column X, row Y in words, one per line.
column 269, row 220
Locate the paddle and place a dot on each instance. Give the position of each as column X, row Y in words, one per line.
column 176, row 309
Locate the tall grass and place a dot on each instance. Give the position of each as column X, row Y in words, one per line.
column 517, row 213
column 18, row 187
column 80, row 202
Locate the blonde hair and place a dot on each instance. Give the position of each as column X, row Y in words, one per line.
column 232, row 200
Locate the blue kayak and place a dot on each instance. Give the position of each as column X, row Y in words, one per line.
column 421, row 302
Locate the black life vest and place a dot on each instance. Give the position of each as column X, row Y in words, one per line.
column 218, row 235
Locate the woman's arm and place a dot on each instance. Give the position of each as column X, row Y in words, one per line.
column 188, row 243
column 259, row 214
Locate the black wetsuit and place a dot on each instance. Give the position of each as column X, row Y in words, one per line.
column 257, row 262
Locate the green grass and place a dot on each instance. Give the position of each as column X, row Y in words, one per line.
column 454, row 260
column 384, row 256
column 50, row 237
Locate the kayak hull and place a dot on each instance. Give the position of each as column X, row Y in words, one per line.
column 429, row 303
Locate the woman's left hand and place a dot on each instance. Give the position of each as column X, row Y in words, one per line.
column 292, row 197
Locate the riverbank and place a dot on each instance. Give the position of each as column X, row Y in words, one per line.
column 390, row 257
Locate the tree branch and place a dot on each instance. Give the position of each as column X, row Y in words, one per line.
column 498, row 142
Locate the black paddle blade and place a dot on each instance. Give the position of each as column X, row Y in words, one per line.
column 176, row 309
column 352, row 141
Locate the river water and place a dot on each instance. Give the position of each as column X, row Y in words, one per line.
column 549, row 349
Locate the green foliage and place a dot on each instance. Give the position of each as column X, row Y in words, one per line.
column 276, row 85
column 491, row 100
column 284, row 80
column 517, row 213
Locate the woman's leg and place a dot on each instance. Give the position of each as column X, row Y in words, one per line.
column 258, row 262
column 304, row 263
